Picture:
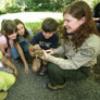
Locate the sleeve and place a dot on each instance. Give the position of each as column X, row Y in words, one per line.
column 82, row 57
column 59, row 50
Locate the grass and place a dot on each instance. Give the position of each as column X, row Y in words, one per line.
column 34, row 26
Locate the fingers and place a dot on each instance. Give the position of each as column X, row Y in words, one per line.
column 26, row 70
column 50, row 51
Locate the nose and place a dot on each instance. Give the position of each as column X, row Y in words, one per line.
column 65, row 23
column 14, row 34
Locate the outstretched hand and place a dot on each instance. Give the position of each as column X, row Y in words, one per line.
column 50, row 51
column 26, row 68
column 44, row 56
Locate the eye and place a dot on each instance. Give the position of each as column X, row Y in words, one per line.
column 66, row 20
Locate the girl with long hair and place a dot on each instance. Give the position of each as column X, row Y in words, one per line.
column 8, row 44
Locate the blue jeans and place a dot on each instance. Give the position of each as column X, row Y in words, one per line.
column 14, row 53
column 25, row 46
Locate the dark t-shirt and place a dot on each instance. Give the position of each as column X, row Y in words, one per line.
column 45, row 44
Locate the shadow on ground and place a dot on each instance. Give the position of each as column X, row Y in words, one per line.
column 33, row 87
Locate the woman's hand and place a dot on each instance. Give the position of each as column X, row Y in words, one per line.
column 45, row 55
column 50, row 51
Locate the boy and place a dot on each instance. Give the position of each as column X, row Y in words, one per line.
column 46, row 39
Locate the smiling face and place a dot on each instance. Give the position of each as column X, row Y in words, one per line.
column 71, row 23
column 20, row 29
column 12, row 36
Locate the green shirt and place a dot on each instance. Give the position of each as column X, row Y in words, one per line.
column 86, row 55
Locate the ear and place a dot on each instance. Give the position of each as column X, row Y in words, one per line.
column 82, row 20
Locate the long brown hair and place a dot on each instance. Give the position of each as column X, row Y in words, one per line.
column 17, row 22
column 78, row 10
column 8, row 27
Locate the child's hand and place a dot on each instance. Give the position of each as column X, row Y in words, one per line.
column 26, row 68
column 15, row 71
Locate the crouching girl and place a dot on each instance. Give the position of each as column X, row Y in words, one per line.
column 8, row 74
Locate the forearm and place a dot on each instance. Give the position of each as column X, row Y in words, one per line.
column 8, row 63
column 83, row 57
column 20, row 51
column 62, row 63
column 59, row 50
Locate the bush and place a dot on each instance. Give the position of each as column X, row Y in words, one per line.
column 2, row 12
column 12, row 9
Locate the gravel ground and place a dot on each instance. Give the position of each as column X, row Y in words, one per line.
column 33, row 87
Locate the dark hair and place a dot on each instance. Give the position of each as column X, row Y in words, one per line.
column 49, row 25
column 97, row 14
column 8, row 27
column 78, row 10
column 17, row 21
column 97, row 10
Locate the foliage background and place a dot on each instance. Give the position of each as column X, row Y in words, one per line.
column 10, row 6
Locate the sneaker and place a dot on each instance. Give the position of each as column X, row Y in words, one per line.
column 56, row 87
column 3, row 95
column 36, row 65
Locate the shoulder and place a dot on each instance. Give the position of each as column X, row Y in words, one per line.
column 38, row 35
column 93, row 43
column 55, row 36
column 3, row 39
column 93, row 40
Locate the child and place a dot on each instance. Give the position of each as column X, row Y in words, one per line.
column 7, row 75
column 23, row 37
column 80, row 46
column 9, row 46
column 46, row 39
